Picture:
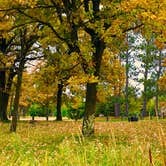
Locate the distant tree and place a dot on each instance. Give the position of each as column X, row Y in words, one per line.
column 26, row 41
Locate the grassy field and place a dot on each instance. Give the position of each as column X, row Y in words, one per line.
column 140, row 143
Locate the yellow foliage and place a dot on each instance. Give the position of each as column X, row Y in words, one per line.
column 162, row 82
column 76, row 101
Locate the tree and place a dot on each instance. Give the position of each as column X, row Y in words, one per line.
column 26, row 42
column 128, row 59
column 3, row 113
column 159, row 72
column 112, row 73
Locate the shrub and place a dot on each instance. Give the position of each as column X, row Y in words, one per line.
column 74, row 113
column 36, row 110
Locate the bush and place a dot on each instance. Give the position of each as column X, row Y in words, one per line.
column 36, row 110
column 75, row 114
column 107, row 109
column 64, row 112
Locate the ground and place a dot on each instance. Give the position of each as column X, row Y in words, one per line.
column 61, row 143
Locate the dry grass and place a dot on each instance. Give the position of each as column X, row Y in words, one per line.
column 61, row 143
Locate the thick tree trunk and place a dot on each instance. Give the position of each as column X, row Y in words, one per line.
column 4, row 93
column 3, row 97
column 91, row 91
column 16, row 100
column 90, row 108
column 59, row 102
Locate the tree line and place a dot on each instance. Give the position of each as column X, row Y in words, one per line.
column 79, row 42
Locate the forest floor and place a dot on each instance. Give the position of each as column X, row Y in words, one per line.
column 62, row 144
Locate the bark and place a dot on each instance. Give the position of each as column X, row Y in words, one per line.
column 117, row 109
column 157, row 88
column 107, row 118
column 157, row 105
column 3, row 106
column 16, row 99
column 33, row 118
column 144, row 112
column 11, row 105
column 59, row 102
column 144, row 107
column 127, row 85
column 3, row 97
column 90, row 108
column 91, row 91
column 5, row 93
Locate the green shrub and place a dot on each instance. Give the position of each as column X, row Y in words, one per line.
column 75, row 114
column 37, row 110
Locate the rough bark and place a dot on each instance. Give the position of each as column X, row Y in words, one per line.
column 59, row 102
column 16, row 99
column 90, row 108
column 91, row 91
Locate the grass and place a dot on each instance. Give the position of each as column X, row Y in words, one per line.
column 61, row 144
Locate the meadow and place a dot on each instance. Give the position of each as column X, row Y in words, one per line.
column 141, row 143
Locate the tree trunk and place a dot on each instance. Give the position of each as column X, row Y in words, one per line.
column 16, row 99
column 144, row 107
column 11, row 105
column 156, row 105
column 144, row 112
column 3, row 97
column 107, row 118
column 127, row 85
column 91, row 91
column 157, row 87
column 90, row 108
column 33, row 118
column 59, row 102
column 3, row 106
column 4, row 93
column 117, row 109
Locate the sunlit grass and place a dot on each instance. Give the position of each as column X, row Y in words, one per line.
column 61, row 143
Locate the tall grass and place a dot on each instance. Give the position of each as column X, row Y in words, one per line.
column 61, row 143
